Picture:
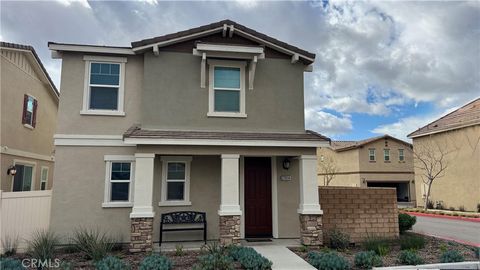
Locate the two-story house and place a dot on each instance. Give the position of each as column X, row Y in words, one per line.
column 209, row 119
column 382, row 161
column 29, row 104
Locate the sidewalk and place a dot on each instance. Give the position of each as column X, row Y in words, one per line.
column 282, row 258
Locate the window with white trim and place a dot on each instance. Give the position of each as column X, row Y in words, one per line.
column 104, row 85
column 44, row 178
column 119, row 181
column 227, row 88
column 386, row 154
column 29, row 115
column 175, row 180
column 371, row 154
column 401, row 155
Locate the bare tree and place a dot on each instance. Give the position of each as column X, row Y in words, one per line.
column 430, row 158
column 328, row 168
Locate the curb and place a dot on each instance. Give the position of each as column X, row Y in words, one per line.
column 451, row 239
column 443, row 216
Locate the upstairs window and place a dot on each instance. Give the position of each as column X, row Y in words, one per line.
column 104, row 92
column 227, row 88
column 29, row 116
column 386, row 154
column 371, row 154
column 401, row 155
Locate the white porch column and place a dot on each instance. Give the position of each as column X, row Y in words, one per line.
column 309, row 202
column 143, row 186
column 230, row 187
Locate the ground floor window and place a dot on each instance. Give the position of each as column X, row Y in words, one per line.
column 119, row 180
column 175, row 180
column 22, row 180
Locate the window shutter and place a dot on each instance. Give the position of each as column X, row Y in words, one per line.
column 24, row 115
column 34, row 116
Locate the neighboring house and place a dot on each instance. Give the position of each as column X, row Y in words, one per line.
column 457, row 135
column 209, row 119
column 29, row 104
column 382, row 161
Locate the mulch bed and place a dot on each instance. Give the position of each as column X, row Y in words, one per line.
column 430, row 253
column 186, row 261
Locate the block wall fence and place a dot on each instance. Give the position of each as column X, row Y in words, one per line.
column 359, row 212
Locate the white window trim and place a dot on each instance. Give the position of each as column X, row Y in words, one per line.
column 384, row 154
column 108, row 187
column 30, row 125
column 26, row 163
column 211, row 94
column 46, row 179
column 403, row 155
column 186, row 198
column 374, row 155
column 121, row 88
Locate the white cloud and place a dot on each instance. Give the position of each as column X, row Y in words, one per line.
column 83, row 3
column 327, row 123
column 407, row 52
column 407, row 125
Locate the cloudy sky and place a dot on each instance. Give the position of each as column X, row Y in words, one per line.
column 381, row 67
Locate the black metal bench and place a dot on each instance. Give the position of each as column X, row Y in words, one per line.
column 183, row 217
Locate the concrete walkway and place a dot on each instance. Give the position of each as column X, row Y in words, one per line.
column 282, row 258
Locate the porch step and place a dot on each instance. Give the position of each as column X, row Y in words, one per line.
column 282, row 258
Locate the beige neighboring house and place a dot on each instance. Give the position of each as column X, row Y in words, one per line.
column 209, row 119
column 382, row 161
column 29, row 104
column 458, row 135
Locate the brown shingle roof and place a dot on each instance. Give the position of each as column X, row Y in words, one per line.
column 137, row 132
column 199, row 29
column 30, row 48
column 347, row 145
column 468, row 115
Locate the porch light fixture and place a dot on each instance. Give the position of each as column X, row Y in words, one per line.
column 286, row 163
column 11, row 170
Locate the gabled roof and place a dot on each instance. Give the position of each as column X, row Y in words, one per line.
column 219, row 27
column 37, row 58
column 468, row 115
column 340, row 146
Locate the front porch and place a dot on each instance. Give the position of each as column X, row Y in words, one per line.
column 246, row 193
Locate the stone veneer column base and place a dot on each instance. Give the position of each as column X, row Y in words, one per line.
column 311, row 230
column 141, row 235
column 229, row 230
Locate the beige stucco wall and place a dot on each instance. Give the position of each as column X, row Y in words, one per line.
column 384, row 166
column 72, row 84
column 347, row 163
column 172, row 84
column 80, row 185
column 8, row 160
column 17, row 79
column 461, row 184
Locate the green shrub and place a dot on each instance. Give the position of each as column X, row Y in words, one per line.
column 327, row 260
column 461, row 208
column 156, row 262
column 451, row 208
column 478, row 207
column 249, row 258
column 10, row 264
column 179, row 250
column 9, row 245
column 214, row 262
column 93, row 243
column 367, row 260
column 378, row 245
column 409, row 257
column 450, row 256
column 338, row 239
column 111, row 263
column 440, row 205
column 405, row 222
column 42, row 245
column 412, row 242
column 66, row 265
column 429, row 204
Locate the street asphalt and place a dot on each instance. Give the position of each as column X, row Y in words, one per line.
column 466, row 232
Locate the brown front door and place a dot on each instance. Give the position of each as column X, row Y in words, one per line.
column 258, row 197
